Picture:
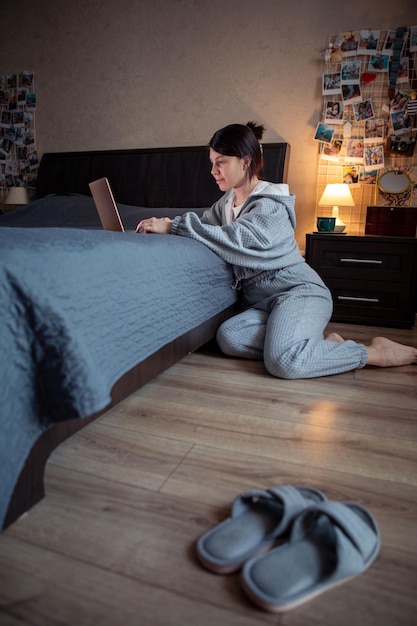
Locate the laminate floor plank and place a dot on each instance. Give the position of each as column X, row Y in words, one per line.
column 134, row 456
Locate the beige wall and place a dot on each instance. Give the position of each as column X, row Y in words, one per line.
column 139, row 73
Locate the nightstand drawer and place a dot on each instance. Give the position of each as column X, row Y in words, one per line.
column 373, row 261
column 373, row 302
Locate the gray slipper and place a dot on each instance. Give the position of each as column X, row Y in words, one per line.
column 328, row 545
column 258, row 518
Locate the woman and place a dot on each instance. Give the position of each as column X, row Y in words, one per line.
column 286, row 305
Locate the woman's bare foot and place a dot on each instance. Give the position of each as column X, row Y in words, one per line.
column 334, row 337
column 383, row 352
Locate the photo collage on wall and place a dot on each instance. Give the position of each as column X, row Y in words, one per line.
column 369, row 89
column 18, row 157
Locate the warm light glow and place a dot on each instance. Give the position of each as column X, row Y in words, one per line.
column 336, row 194
column 17, row 195
column 324, row 413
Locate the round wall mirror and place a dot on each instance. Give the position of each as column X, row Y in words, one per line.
column 394, row 182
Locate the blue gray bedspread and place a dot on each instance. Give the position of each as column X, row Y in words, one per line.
column 79, row 309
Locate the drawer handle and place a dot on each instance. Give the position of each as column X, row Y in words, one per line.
column 358, row 299
column 366, row 261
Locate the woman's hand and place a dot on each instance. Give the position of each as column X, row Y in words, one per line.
column 158, row 226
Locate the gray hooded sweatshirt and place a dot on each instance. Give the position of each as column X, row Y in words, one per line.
column 260, row 239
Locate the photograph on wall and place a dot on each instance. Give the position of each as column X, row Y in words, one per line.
column 33, row 160
column 363, row 110
column 331, row 84
column 29, row 139
column 10, row 133
column 351, row 174
column 400, row 121
column 348, row 43
column 324, row 132
column 374, row 130
column 354, row 150
column 403, row 70
column 351, row 93
column 5, row 119
column 21, row 97
column 413, row 39
column 388, row 47
column 18, row 120
column 20, row 135
column 373, row 156
column 11, row 81
column 397, row 103
column 333, row 112
column 26, row 80
column 31, row 101
column 379, row 63
column 13, row 104
column 5, row 146
column 331, row 151
column 350, row 72
column 368, row 176
column 22, row 153
column 11, row 167
column 368, row 41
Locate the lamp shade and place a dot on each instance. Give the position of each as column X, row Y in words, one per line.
column 17, row 195
column 336, row 194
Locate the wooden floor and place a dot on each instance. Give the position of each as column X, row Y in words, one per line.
column 113, row 541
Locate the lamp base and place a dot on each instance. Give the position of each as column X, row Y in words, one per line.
column 339, row 226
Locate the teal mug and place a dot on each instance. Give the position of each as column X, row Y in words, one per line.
column 326, row 224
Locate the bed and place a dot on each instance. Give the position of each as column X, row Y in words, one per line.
column 90, row 316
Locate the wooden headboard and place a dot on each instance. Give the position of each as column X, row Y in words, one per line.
column 149, row 177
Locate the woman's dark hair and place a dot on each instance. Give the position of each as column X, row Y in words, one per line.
column 242, row 141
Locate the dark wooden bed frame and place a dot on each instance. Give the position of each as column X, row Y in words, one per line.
column 155, row 177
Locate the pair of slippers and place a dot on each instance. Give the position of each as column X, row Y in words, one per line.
column 291, row 543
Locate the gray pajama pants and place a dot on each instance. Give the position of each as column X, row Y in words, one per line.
column 284, row 317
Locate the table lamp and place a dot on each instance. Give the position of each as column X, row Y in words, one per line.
column 17, row 196
column 335, row 195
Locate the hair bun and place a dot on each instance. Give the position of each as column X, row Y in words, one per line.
column 257, row 129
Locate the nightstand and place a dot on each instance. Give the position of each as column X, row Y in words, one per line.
column 372, row 279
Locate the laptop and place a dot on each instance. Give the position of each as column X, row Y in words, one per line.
column 106, row 205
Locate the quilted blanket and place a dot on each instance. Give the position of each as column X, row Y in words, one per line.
column 79, row 309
